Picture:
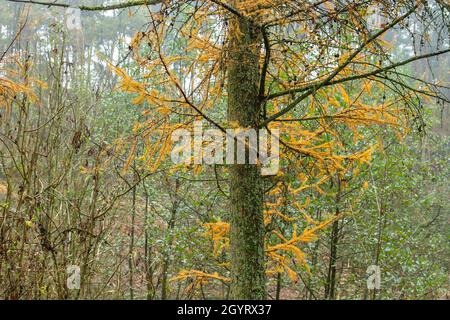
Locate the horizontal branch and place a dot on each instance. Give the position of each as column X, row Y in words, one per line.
column 123, row 5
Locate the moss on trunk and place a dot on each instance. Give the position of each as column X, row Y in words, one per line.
column 246, row 193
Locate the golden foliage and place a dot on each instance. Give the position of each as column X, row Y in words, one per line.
column 15, row 81
column 3, row 188
column 217, row 232
column 198, row 278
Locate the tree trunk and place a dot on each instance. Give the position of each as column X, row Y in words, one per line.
column 246, row 193
column 330, row 290
column 170, row 228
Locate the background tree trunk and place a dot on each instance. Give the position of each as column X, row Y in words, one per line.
column 330, row 289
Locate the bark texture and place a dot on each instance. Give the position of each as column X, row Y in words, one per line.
column 246, row 193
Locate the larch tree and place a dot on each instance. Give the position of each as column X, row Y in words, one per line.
column 308, row 68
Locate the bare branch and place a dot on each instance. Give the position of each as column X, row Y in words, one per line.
column 123, row 5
